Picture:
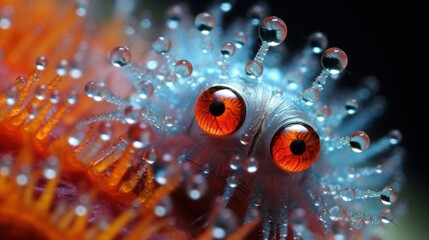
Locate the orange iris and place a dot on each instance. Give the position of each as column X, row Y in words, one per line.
column 295, row 147
column 219, row 111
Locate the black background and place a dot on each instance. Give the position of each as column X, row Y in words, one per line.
column 389, row 41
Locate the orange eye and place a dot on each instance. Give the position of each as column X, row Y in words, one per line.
column 295, row 147
column 219, row 111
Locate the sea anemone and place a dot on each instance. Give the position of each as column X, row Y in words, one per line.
column 201, row 128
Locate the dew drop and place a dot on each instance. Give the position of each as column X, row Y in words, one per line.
column 41, row 92
column 317, row 42
column 272, row 30
column 235, row 162
column 254, row 69
column 336, row 213
column 20, row 82
column 351, row 106
column 62, row 67
column 334, row 60
column 310, row 96
column 161, row 45
column 163, row 170
column 196, row 187
column 96, row 90
column 232, row 181
column 359, row 141
column 140, row 135
column 388, row 195
column 323, row 112
column 245, row 139
column 54, row 96
column 72, row 97
column 227, row 49
column 105, row 130
column 150, row 155
column 395, row 137
column 257, row 12
column 183, row 68
column 224, row 223
column 164, row 207
column 348, row 194
column 252, row 165
column 205, row 23
column 240, row 39
column 145, row 89
column 120, row 56
column 12, row 96
column 50, row 168
column 41, row 63
column 387, row 216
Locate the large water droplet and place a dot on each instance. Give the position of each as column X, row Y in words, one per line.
column 227, row 49
column 310, row 96
column 205, row 23
column 161, row 45
column 183, row 68
column 388, row 195
column 359, row 141
column 252, row 165
column 120, row 56
column 334, row 60
column 272, row 30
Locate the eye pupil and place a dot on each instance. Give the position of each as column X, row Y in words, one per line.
column 297, row 147
column 217, row 108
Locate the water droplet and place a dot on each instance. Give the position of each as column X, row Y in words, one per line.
column 140, row 135
column 41, row 92
column 41, row 63
column 163, row 207
column 12, row 96
column 62, row 67
column 240, row 39
column 235, row 162
column 145, row 89
column 120, row 56
column 252, row 165
column 359, row 141
column 348, row 194
column 336, row 213
column 196, row 187
column 75, row 71
column 294, row 79
column 254, row 69
column 51, row 168
column 54, row 96
column 351, row 106
column 257, row 12
column 168, row 121
column 226, row 5
column 388, row 195
column 175, row 14
column 272, row 30
column 224, row 223
column 161, row 45
column 205, row 23
column 317, row 42
column 310, row 96
column 105, row 130
column 22, row 177
column 334, row 60
column 323, row 112
column 183, row 68
column 163, row 170
column 227, row 49
column 245, row 139
column 76, row 135
column 72, row 97
column 387, row 216
column 96, row 90
column 232, row 181
column 395, row 137
column 150, row 155
column 20, row 82
column 131, row 115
